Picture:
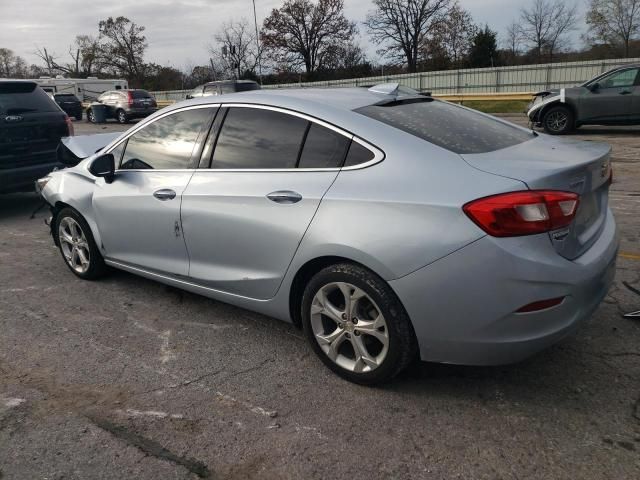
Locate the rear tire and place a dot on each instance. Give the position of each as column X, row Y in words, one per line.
column 79, row 116
column 367, row 338
column 558, row 120
column 77, row 246
column 121, row 116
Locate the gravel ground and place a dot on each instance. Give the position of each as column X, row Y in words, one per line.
column 127, row 378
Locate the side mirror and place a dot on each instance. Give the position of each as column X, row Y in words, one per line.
column 594, row 87
column 104, row 166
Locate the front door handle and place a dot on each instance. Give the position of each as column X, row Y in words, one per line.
column 164, row 194
column 285, row 197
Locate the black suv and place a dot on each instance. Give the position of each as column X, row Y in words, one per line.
column 69, row 103
column 123, row 105
column 223, row 86
column 31, row 126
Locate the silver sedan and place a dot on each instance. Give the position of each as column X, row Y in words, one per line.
column 389, row 225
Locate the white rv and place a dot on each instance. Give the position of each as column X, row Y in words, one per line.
column 86, row 89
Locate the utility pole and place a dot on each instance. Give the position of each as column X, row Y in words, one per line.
column 255, row 20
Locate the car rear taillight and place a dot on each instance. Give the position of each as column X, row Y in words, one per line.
column 69, row 123
column 523, row 213
column 540, row 305
column 130, row 98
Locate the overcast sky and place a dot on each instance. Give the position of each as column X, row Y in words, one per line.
column 177, row 32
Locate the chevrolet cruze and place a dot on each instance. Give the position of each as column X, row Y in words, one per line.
column 387, row 224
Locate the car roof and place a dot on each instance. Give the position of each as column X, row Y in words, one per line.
column 306, row 100
column 220, row 82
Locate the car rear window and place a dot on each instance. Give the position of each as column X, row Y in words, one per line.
column 448, row 126
column 68, row 97
column 245, row 87
column 24, row 97
column 140, row 94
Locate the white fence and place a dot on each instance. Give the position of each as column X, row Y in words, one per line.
column 521, row 78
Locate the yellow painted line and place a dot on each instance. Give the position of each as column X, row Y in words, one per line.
column 630, row 256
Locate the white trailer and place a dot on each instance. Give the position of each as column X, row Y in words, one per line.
column 86, row 89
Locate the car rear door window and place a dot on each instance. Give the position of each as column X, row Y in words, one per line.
column 449, row 126
column 323, row 148
column 168, row 142
column 258, row 138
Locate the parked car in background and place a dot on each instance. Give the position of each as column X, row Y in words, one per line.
column 69, row 103
column 124, row 105
column 386, row 223
column 612, row 98
column 223, row 86
column 31, row 126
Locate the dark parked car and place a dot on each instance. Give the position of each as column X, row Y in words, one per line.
column 31, row 126
column 612, row 98
column 124, row 105
column 222, row 87
column 70, row 104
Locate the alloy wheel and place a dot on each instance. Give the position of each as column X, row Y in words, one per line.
column 349, row 327
column 122, row 117
column 74, row 245
column 557, row 121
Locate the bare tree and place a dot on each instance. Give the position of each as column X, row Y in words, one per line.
column 305, row 34
column 614, row 22
column 122, row 46
column 546, row 23
column 513, row 38
column 400, row 27
column 11, row 65
column 455, row 34
column 48, row 59
column 235, row 48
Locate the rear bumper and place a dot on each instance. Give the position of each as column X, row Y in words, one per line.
column 22, row 179
column 462, row 306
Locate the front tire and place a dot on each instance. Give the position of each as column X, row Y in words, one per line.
column 357, row 325
column 91, row 117
column 558, row 120
column 77, row 246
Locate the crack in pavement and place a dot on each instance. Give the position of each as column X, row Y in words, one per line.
column 151, row 447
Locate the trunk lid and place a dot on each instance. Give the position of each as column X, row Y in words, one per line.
column 559, row 164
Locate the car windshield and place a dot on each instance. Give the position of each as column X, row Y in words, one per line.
column 446, row 125
column 24, row 97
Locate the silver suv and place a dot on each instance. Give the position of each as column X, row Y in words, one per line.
column 125, row 105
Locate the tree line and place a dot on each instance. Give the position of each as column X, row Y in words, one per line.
column 313, row 40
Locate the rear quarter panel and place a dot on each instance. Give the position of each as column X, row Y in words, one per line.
column 402, row 213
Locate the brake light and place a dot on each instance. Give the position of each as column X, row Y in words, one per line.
column 540, row 305
column 523, row 213
column 130, row 97
column 69, row 123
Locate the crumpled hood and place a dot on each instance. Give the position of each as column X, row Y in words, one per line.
column 73, row 149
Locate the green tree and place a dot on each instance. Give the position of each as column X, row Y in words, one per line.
column 484, row 46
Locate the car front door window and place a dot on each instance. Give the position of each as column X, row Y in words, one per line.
column 167, row 143
column 626, row 78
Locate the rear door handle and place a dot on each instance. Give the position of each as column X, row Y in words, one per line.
column 284, row 196
column 625, row 92
column 164, row 194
